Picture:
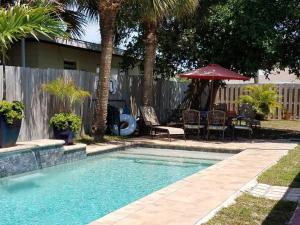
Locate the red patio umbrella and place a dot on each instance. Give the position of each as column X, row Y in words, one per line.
column 213, row 72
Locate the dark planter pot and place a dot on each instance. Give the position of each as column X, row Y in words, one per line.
column 9, row 133
column 260, row 116
column 66, row 135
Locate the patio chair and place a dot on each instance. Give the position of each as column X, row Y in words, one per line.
column 242, row 125
column 192, row 121
column 151, row 120
column 247, row 113
column 220, row 106
column 216, row 121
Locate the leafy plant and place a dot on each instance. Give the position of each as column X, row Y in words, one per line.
column 20, row 20
column 263, row 98
column 63, row 121
column 66, row 91
column 11, row 111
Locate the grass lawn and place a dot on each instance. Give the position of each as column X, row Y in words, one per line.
column 107, row 138
column 250, row 210
column 282, row 124
column 278, row 129
column 286, row 172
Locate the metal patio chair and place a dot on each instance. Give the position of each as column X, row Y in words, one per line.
column 216, row 121
column 192, row 121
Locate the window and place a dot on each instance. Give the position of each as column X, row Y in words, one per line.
column 70, row 65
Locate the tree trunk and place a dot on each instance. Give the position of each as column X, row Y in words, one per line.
column 150, row 29
column 108, row 12
column 213, row 94
column 4, row 76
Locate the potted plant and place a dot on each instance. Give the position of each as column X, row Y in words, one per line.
column 34, row 18
column 65, row 124
column 11, row 114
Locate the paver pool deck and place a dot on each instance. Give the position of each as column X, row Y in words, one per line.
column 188, row 201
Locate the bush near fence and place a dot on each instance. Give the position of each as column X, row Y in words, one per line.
column 289, row 98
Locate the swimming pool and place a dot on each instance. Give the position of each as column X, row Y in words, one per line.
column 80, row 192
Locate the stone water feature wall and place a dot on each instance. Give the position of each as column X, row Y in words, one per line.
column 22, row 159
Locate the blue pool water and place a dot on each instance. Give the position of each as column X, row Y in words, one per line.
column 81, row 192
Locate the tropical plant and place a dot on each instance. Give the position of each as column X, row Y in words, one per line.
column 11, row 111
column 264, row 98
column 66, row 91
column 65, row 9
column 64, row 121
column 20, row 20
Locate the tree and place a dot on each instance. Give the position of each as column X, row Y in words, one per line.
column 244, row 36
column 150, row 17
column 108, row 12
column 21, row 20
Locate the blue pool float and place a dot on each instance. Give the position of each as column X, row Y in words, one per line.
column 130, row 120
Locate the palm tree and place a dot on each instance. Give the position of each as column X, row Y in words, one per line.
column 151, row 11
column 21, row 20
column 151, row 18
column 106, row 12
column 74, row 19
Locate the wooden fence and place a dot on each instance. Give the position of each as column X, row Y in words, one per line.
column 24, row 84
column 289, row 98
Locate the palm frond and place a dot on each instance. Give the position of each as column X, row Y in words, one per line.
column 21, row 20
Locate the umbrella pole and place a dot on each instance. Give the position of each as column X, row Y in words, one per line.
column 211, row 94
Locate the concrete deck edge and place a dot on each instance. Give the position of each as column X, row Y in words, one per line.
column 227, row 201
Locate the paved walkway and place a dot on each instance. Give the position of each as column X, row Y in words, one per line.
column 279, row 193
column 275, row 192
column 188, row 201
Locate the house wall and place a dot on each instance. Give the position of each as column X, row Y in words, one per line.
column 50, row 55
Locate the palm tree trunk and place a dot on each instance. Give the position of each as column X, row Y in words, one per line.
column 107, row 26
column 4, row 76
column 150, row 29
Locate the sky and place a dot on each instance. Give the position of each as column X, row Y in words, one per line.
column 92, row 33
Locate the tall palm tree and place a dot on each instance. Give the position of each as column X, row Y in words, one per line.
column 106, row 12
column 21, row 20
column 152, row 11
column 151, row 18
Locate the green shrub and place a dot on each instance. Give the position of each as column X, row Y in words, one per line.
column 63, row 121
column 11, row 111
column 263, row 98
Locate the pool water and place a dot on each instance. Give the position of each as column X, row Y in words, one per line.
column 80, row 192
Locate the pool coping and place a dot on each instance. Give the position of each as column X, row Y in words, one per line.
column 123, row 146
column 145, row 210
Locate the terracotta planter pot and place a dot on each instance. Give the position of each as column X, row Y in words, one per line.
column 287, row 116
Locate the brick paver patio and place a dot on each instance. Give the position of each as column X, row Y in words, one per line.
column 192, row 199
